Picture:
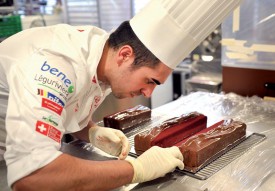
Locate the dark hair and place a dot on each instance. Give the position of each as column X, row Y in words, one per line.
column 125, row 35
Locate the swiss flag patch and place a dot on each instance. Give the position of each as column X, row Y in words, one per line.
column 48, row 130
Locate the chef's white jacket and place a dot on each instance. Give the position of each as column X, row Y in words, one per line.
column 49, row 76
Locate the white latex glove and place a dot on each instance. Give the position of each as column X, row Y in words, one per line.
column 156, row 162
column 111, row 141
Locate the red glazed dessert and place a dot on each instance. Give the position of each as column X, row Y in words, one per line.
column 170, row 132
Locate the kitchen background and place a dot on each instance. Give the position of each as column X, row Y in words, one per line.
column 239, row 56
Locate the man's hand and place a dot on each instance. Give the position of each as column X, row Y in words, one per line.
column 156, row 162
column 111, row 141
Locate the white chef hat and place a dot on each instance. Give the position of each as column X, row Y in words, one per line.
column 171, row 29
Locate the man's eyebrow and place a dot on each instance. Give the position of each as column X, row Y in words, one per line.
column 156, row 81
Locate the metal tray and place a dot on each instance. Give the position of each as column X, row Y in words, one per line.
column 217, row 163
column 230, row 155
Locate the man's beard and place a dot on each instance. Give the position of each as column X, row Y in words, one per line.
column 122, row 96
column 118, row 95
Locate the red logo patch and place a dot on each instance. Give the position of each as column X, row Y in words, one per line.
column 52, row 106
column 48, row 131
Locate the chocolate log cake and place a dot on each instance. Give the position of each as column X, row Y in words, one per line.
column 206, row 145
column 127, row 118
column 170, row 132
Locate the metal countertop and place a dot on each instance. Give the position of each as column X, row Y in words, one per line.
column 253, row 170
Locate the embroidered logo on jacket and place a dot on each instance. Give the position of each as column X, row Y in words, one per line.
column 56, row 72
column 54, row 85
column 48, row 130
column 50, row 96
column 52, row 106
column 50, row 119
column 59, row 82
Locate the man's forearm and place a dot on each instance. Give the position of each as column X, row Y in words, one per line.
column 71, row 173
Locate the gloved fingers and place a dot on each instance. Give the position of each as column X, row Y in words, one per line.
column 111, row 148
column 110, row 135
column 112, row 141
column 117, row 142
column 175, row 151
column 114, row 149
column 125, row 147
column 179, row 164
column 156, row 162
column 178, row 158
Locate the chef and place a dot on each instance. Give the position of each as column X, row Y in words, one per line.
column 52, row 79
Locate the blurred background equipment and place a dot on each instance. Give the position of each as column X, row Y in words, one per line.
column 248, row 50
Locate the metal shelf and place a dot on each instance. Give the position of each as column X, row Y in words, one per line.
column 218, row 163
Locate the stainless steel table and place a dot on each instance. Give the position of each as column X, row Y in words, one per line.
column 253, row 170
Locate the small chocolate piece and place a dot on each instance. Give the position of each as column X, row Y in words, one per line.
column 128, row 118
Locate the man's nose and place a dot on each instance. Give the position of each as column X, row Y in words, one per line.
column 147, row 92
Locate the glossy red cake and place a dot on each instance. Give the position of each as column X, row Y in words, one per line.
column 128, row 118
column 201, row 148
column 170, row 132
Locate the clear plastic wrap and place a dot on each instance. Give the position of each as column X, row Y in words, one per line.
column 255, row 169
column 250, row 110
column 252, row 171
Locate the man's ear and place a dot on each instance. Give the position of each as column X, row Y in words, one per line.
column 125, row 53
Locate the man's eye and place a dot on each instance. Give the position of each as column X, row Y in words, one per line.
column 150, row 82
